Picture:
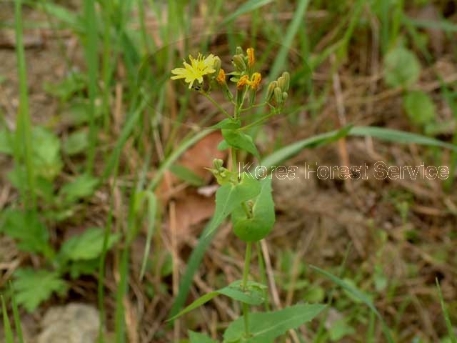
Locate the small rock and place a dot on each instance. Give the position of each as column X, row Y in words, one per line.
column 73, row 323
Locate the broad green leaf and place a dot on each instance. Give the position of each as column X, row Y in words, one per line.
column 76, row 142
column 223, row 145
column 24, row 226
column 82, row 186
column 88, row 245
column 35, row 286
column 196, row 337
column 419, row 108
column 240, row 140
column 253, row 295
column 228, row 123
column 229, row 196
column 265, row 327
column 402, row 68
column 262, row 218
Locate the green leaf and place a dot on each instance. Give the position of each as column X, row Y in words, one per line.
column 24, row 226
column 223, row 145
column 196, row 337
column 293, row 149
column 241, row 141
column 228, row 123
column 35, row 286
column 402, row 68
column 253, row 295
column 261, row 221
column 196, row 304
column 76, row 142
column 229, row 196
column 339, row 329
column 357, row 294
column 82, row 267
column 398, row 136
column 265, row 327
column 46, row 153
column 6, row 142
column 187, row 175
column 68, row 87
column 420, row 108
column 81, row 187
column 8, row 332
column 246, row 7
column 88, row 245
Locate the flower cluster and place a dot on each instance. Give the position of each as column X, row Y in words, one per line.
column 202, row 72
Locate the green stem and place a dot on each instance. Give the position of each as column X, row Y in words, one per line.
column 247, row 263
column 219, row 107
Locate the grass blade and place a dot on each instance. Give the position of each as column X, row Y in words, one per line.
column 398, row 136
column 9, row 338
column 293, row 149
column 450, row 329
column 245, row 8
column 23, row 144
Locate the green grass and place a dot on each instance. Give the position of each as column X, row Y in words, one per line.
column 137, row 125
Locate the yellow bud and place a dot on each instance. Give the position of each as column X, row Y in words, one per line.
column 221, row 77
column 251, row 57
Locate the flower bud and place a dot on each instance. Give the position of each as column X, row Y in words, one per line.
column 270, row 91
column 251, row 57
column 278, row 95
column 239, row 63
column 217, row 65
column 239, row 50
column 286, row 77
column 284, row 96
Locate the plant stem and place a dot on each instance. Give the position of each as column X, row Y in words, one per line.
column 247, row 263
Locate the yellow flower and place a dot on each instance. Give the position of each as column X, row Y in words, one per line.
column 255, row 80
column 243, row 81
column 221, row 77
column 251, row 57
column 195, row 71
